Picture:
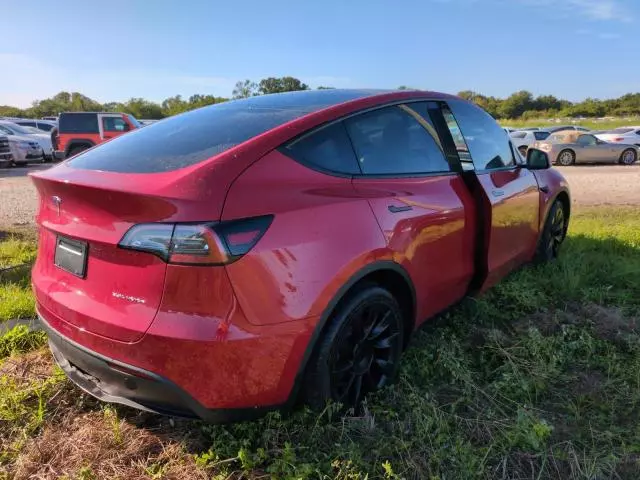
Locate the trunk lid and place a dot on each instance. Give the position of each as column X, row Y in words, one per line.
column 121, row 290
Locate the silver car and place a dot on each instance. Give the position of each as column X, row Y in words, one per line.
column 568, row 147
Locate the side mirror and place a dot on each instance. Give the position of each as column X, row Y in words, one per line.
column 537, row 159
column 126, row 127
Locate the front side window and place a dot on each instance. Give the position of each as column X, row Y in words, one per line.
column 114, row 124
column 326, row 149
column 488, row 143
column 396, row 140
column 5, row 130
column 587, row 140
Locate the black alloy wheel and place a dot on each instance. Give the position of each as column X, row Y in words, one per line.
column 360, row 352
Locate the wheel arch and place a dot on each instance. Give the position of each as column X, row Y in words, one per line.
column 385, row 273
column 78, row 142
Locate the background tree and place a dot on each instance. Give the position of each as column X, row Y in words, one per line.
column 244, row 89
column 280, row 85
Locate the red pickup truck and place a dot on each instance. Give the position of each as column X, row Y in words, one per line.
column 242, row 256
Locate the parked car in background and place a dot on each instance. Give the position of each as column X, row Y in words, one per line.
column 41, row 138
column 242, row 256
column 522, row 140
column 79, row 131
column 565, row 127
column 53, row 119
column 25, row 150
column 44, row 125
column 623, row 135
column 6, row 157
column 532, row 129
column 568, row 147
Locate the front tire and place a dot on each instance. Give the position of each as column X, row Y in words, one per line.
column 566, row 158
column 553, row 233
column 628, row 157
column 359, row 352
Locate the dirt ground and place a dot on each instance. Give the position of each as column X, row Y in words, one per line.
column 590, row 185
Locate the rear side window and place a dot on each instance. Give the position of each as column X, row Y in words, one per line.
column 326, row 149
column 541, row 135
column 396, row 140
column 488, row 143
column 184, row 140
column 78, row 123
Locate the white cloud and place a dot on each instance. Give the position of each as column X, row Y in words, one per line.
column 601, row 10
column 609, row 36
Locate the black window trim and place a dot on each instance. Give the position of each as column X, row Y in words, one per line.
column 283, row 148
column 515, row 165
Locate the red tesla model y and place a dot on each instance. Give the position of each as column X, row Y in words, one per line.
column 249, row 254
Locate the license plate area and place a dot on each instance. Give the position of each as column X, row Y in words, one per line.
column 71, row 256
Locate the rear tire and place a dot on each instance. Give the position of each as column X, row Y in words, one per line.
column 566, row 158
column 628, row 157
column 359, row 351
column 75, row 151
column 553, row 233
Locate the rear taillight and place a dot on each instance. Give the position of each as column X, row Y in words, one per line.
column 617, row 139
column 197, row 244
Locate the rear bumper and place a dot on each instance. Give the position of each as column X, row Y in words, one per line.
column 113, row 381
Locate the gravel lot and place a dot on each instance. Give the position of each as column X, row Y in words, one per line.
column 590, row 185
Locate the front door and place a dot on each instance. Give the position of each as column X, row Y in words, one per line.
column 424, row 209
column 511, row 197
column 112, row 125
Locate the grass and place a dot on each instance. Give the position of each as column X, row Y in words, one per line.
column 539, row 378
column 591, row 124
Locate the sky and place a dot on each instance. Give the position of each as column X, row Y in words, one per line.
column 112, row 51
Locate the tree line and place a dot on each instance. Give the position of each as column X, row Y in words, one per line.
column 520, row 105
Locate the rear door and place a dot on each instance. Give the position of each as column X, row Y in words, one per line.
column 423, row 207
column 112, row 125
column 511, row 196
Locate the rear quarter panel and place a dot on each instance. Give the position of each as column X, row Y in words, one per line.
column 322, row 234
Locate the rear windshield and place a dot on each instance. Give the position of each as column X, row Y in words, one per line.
column 541, row 135
column 78, row 123
column 192, row 137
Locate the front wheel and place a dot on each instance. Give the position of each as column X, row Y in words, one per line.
column 359, row 352
column 553, row 233
column 566, row 158
column 628, row 157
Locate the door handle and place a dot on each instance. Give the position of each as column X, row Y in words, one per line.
column 405, row 208
column 497, row 193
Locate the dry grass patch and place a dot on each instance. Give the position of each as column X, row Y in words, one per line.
column 103, row 445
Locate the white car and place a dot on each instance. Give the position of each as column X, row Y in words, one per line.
column 523, row 139
column 624, row 135
column 41, row 138
column 43, row 125
column 25, row 150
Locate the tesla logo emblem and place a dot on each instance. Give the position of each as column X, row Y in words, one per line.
column 56, row 202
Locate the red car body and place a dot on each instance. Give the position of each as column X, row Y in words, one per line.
column 223, row 340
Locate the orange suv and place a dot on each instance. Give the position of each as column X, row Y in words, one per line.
column 78, row 131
